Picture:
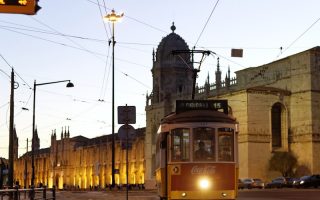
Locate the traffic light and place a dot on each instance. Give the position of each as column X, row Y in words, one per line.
column 29, row 7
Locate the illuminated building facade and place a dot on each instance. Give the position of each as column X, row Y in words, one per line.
column 82, row 163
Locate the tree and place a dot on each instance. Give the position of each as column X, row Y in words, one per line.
column 283, row 162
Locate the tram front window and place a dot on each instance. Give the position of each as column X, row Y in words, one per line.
column 180, row 145
column 203, row 144
column 225, row 144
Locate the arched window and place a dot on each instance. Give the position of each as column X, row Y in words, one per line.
column 276, row 125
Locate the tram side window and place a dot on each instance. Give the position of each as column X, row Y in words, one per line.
column 225, row 144
column 204, row 144
column 180, row 144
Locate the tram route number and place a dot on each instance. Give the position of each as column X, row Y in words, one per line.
column 188, row 105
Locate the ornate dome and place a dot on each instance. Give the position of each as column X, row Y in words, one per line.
column 169, row 43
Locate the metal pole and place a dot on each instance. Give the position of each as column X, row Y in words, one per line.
column 26, row 168
column 113, row 138
column 113, row 18
column 11, row 135
column 33, row 130
column 44, row 195
column 127, row 148
column 54, row 192
column 34, row 119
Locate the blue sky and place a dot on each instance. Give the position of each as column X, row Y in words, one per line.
column 69, row 40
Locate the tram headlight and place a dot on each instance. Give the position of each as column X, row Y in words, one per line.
column 183, row 194
column 223, row 194
column 204, row 183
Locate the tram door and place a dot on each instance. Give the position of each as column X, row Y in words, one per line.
column 162, row 164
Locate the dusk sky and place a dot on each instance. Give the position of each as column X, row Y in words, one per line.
column 68, row 39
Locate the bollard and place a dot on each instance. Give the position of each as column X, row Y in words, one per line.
column 32, row 193
column 54, row 192
column 16, row 192
column 44, row 192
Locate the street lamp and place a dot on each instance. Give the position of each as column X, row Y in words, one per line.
column 113, row 18
column 69, row 84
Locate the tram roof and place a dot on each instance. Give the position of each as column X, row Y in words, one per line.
column 198, row 116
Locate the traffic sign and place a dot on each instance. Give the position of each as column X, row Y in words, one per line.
column 29, row 7
column 125, row 130
column 126, row 114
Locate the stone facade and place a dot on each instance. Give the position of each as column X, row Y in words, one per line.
column 83, row 163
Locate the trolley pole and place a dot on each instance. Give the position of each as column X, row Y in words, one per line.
column 194, row 71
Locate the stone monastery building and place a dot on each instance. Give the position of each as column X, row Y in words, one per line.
column 277, row 106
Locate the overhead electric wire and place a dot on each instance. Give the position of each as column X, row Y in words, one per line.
column 14, row 71
column 135, row 80
column 207, row 22
column 104, row 82
column 54, row 33
column 63, row 44
column 51, row 41
column 104, row 24
column 27, row 102
column 135, row 43
column 4, row 105
column 76, row 36
column 299, row 36
column 80, row 46
column 153, row 27
column 66, row 45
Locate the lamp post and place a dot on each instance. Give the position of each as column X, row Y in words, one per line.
column 113, row 18
column 69, row 84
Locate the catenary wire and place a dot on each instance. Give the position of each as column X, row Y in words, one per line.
column 302, row 34
column 207, row 22
column 104, row 84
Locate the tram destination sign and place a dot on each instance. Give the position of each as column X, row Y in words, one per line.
column 188, row 105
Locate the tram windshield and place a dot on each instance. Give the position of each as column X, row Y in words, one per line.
column 202, row 144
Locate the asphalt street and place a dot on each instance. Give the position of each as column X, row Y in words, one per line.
column 254, row 194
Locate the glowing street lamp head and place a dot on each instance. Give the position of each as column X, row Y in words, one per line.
column 113, row 17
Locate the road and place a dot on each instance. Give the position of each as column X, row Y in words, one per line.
column 267, row 194
column 256, row 194
column 110, row 195
column 280, row 194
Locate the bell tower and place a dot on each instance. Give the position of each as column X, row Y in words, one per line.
column 172, row 80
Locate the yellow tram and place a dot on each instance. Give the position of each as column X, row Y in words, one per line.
column 196, row 152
